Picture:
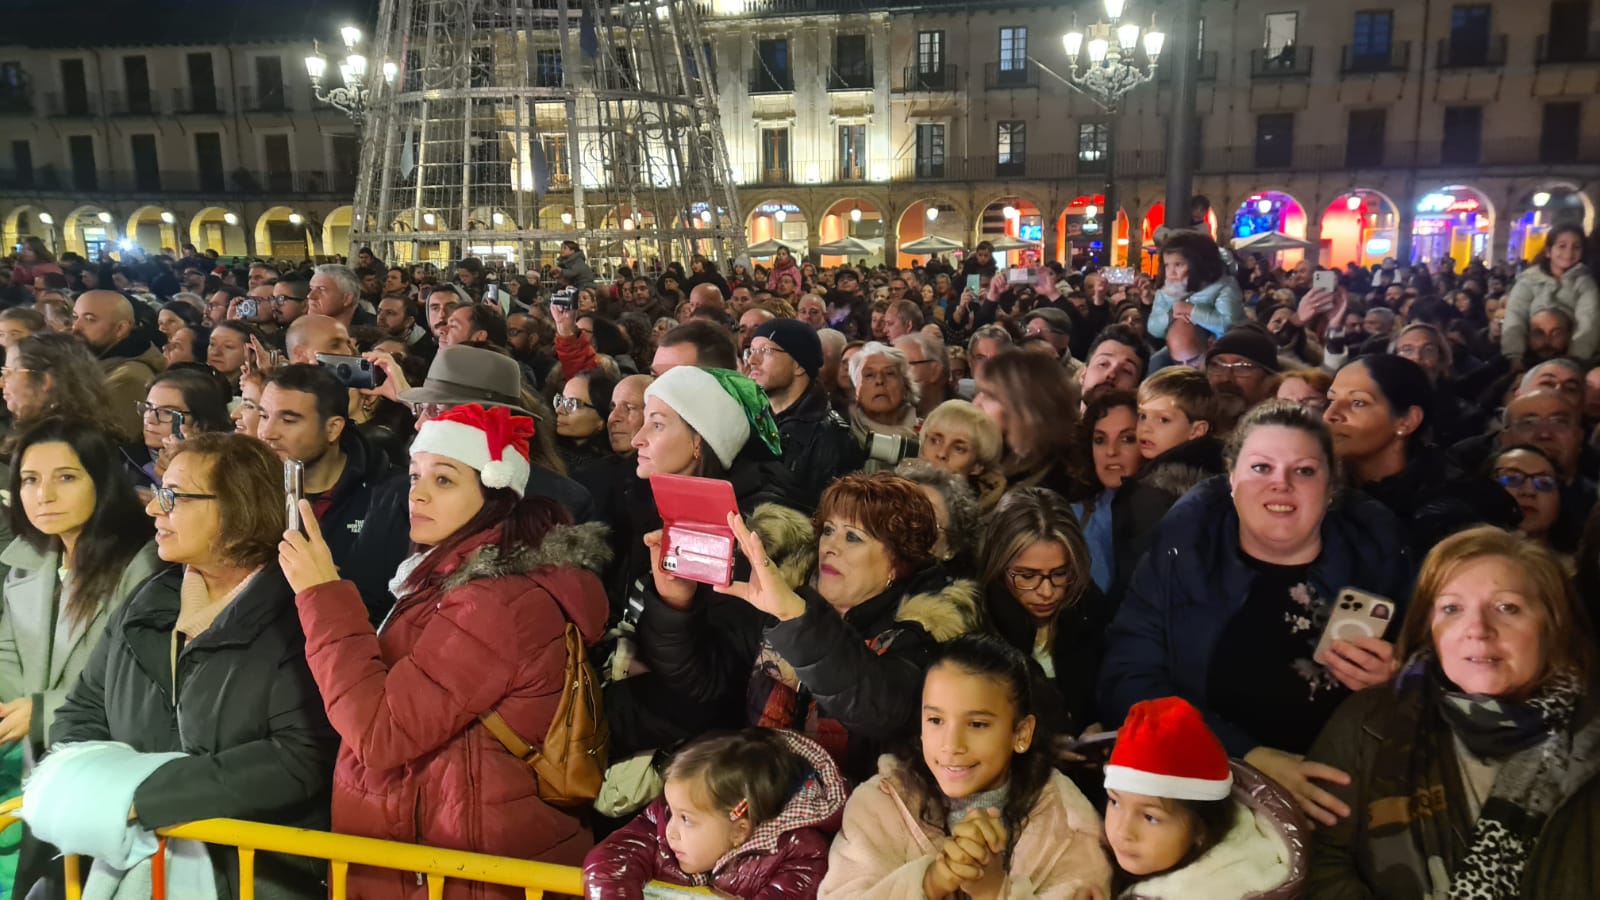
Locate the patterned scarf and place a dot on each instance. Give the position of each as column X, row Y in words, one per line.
column 1533, row 738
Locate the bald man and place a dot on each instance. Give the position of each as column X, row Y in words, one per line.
column 706, row 295
column 310, row 335
column 105, row 323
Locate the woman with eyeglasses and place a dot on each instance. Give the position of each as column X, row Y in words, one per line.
column 1307, row 387
column 207, row 660
column 1034, row 567
column 1531, row 478
column 581, row 411
column 82, row 547
column 181, row 403
column 1379, row 412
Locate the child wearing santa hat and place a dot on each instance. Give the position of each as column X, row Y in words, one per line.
column 1184, row 822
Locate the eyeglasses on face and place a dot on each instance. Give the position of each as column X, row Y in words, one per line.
column 167, row 498
column 1027, row 581
column 1515, row 478
column 164, row 415
column 755, row 353
column 569, row 405
column 1233, row 370
column 428, row 410
column 1540, row 423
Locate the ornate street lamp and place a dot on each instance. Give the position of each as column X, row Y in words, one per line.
column 1105, row 63
column 1114, row 65
column 360, row 81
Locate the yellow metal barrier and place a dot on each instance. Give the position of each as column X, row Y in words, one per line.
column 341, row 851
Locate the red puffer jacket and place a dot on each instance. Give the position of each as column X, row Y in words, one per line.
column 415, row 764
column 784, row 859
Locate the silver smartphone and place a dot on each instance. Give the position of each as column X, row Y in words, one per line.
column 1356, row 614
column 294, row 490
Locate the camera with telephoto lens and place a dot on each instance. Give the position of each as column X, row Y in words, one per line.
column 892, row 448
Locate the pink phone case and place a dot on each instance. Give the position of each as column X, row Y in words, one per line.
column 697, row 544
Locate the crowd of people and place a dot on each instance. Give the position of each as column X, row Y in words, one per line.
column 1238, row 580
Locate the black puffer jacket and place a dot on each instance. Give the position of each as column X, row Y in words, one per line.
column 246, row 711
column 817, row 446
column 349, row 500
column 1142, row 501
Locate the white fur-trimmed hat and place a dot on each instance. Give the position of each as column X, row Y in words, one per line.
column 710, row 410
column 1164, row 749
column 490, row 439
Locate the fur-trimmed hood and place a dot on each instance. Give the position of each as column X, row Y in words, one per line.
column 944, row 606
column 1184, row 466
column 577, row 546
column 1262, row 857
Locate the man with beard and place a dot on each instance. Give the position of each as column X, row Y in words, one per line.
column 440, row 301
column 529, row 340
column 1240, row 366
column 785, row 359
column 397, row 319
column 1117, row 360
column 104, row 322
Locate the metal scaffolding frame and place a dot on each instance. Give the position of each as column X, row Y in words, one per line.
column 515, row 125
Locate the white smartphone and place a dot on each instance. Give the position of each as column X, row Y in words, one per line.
column 1356, row 614
column 1325, row 280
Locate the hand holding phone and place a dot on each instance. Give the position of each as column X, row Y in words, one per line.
column 973, row 284
column 352, row 371
column 294, row 490
column 1325, row 280
column 696, row 542
column 1356, row 614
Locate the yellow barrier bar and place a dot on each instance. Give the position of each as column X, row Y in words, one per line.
column 363, row 851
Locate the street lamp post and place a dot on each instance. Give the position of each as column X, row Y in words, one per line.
column 1105, row 62
column 360, row 80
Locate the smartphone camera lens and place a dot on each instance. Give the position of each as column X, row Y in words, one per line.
column 344, row 371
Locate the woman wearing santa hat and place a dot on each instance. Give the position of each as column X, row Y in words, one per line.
column 484, row 599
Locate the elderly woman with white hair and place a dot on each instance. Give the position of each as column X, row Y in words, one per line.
column 884, row 415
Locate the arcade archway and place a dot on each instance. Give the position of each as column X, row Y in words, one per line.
column 1455, row 221
column 1359, row 227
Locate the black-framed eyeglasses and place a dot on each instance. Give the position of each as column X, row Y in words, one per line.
column 1514, row 479
column 430, row 410
column 569, row 405
column 1027, row 581
column 164, row 415
column 167, row 498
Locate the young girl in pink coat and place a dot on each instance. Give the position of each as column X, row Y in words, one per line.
column 747, row 814
column 978, row 811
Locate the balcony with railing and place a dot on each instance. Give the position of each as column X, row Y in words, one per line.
column 185, row 182
column 272, row 98
column 852, row 78
column 16, row 102
column 1468, row 53
column 936, row 79
column 1376, row 60
column 1205, row 68
column 1023, row 74
column 132, row 103
column 1566, row 49
column 766, row 81
column 197, row 101
column 71, row 105
column 1286, row 62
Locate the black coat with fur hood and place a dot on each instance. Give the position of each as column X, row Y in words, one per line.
column 850, row 682
column 1144, row 499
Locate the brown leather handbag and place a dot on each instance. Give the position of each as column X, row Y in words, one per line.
column 571, row 763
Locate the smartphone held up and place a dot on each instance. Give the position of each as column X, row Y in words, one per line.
column 696, row 542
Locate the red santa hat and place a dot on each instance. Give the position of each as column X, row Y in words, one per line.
column 1166, row 750
column 491, row 440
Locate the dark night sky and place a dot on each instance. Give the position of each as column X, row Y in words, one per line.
column 99, row 23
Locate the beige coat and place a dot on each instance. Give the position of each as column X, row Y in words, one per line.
column 884, row 849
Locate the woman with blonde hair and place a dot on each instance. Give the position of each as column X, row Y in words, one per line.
column 1307, row 387
column 1034, row 402
column 1490, row 721
column 958, row 438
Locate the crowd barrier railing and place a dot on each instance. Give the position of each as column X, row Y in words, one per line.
column 341, row 851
